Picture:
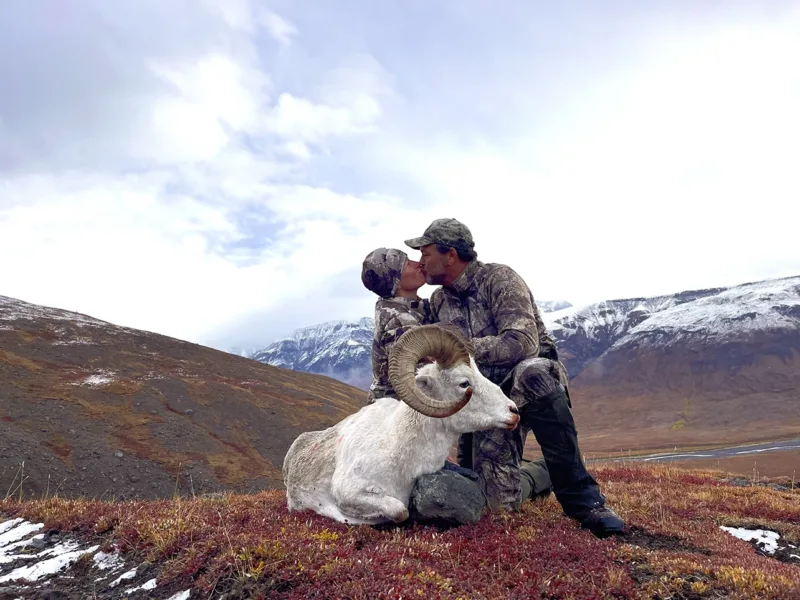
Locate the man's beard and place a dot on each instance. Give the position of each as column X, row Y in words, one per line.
column 434, row 279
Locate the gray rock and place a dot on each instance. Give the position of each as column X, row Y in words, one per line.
column 38, row 543
column 188, row 412
column 778, row 487
column 446, row 496
column 118, row 454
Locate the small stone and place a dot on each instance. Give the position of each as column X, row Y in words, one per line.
column 446, row 496
column 118, row 454
column 189, row 412
column 38, row 543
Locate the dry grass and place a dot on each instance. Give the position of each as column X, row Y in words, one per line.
column 753, row 466
column 251, row 544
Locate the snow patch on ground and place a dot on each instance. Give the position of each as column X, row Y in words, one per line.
column 768, row 540
column 149, row 585
column 102, row 377
column 12, row 310
column 124, row 577
column 106, row 561
column 5, row 526
column 75, row 341
column 15, row 531
column 47, row 567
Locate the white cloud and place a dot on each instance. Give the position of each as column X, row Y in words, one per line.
column 238, row 14
column 211, row 98
column 676, row 172
column 278, row 27
column 251, row 181
column 165, row 247
column 301, row 120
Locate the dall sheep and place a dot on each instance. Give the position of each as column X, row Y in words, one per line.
column 362, row 469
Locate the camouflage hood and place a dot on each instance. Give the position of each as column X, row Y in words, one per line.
column 381, row 271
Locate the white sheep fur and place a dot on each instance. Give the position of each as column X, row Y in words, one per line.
column 362, row 469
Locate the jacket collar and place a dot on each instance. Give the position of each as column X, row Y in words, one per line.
column 412, row 302
column 466, row 281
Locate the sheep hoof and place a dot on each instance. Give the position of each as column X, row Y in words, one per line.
column 400, row 516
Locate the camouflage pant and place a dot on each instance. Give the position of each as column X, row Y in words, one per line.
column 537, row 387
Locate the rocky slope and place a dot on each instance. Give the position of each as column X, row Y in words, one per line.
column 90, row 408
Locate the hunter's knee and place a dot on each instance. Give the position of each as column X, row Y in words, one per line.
column 536, row 378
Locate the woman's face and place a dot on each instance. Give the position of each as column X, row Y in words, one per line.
column 412, row 277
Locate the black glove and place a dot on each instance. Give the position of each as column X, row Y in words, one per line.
column 468, row 473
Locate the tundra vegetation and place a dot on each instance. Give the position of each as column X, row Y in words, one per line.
column 252, row 546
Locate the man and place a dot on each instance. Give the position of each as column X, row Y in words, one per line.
column 396, row 280
column 389, row 273
column 495, row 308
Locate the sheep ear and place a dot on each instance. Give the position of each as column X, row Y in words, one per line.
column 425, row 382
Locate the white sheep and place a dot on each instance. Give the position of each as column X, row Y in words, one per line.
column 362, row 469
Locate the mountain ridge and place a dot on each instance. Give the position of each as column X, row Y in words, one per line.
column 655, row 372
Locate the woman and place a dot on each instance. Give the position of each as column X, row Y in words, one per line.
column 391, row 275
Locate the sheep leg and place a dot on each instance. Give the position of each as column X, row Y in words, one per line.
column 370, row 505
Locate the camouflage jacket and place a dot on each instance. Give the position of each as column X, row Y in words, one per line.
column 494, row 307
column 393, row 317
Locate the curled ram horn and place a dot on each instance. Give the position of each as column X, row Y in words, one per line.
column 441, row 344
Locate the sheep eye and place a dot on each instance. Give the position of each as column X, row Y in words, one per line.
column 464, row 384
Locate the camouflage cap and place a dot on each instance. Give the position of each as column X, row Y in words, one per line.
column 447, row 232
column 381, row 271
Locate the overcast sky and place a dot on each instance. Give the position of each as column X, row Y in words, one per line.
column 217, row 170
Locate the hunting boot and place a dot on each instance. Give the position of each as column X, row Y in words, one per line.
column 550, row 419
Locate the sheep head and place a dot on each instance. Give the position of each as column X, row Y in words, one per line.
column 438, row 343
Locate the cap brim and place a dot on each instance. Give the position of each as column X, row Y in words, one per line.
column 417, row 243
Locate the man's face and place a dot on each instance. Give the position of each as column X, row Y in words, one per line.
column 433, row 264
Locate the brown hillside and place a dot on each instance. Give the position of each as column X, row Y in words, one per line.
column 681, row 396
column 90, row 408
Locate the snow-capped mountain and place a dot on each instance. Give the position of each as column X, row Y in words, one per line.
column 694, row 319
column 338, row 349
column 341, row 349
column 550, row 306
column 695, row 367
column 699, row 318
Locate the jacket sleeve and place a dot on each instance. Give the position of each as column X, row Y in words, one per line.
column 514, row 316
column 391, row 331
